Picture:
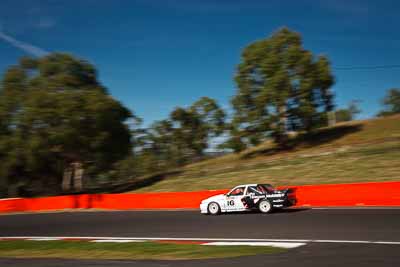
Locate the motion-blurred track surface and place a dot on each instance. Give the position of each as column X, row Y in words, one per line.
column 332, row 224
column 312, row 224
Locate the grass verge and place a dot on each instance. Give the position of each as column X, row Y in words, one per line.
column 132, row 251
column 360, row 151
column 361, row 164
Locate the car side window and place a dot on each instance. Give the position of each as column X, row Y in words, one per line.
column 254, row 190
column 262, row 189
column 237, row 191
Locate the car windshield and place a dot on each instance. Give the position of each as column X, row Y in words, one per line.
column 238, row 191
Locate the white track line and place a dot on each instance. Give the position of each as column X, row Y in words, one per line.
column 205, row 239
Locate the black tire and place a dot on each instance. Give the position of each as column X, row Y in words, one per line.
column 213, row 208
column 265, row 206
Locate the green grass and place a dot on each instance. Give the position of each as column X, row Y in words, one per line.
column 360, row 151
column 140, row 250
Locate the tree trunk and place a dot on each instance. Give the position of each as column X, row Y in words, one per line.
column 281, row 135
column 282, row 119
column 78, row 176
column 331, row 118
column 67, row 179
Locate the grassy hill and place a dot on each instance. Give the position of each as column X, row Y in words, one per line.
column 358, row 151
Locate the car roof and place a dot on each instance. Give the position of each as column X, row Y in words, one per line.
column 246, row 185
column 242, row 185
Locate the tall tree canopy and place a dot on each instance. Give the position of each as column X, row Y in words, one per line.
column 281, row 87
column 391, row 102
column 196, row 125
column 184, row 136
column 54, row 112
column 349, row 113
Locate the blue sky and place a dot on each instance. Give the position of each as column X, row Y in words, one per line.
column 154, row 55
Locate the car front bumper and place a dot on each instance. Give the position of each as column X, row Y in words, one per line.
column 203, row 207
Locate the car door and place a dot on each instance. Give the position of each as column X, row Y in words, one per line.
column 234, row 199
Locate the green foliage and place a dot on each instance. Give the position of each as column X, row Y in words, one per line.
column 192, row 128
column 391, row 103
column 349, row 113
column 281, row 87
column 170, row 143
column 53, row 111
column 187, row 133
column 343, row 115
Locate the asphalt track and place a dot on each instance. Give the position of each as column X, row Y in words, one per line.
column 335, row 225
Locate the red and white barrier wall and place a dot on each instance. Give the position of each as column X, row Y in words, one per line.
column 357, row 194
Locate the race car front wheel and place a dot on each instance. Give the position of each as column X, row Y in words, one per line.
column 265, row 206
column 213, row 208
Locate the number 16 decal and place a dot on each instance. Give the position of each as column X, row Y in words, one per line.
column 231, row 203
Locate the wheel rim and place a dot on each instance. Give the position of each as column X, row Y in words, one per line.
column 214, row 208
column 265, row 206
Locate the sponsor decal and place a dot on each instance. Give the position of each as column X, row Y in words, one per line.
column 275, row 195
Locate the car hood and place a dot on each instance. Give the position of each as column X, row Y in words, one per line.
column 214, row 198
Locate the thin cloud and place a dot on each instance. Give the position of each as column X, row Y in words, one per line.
column 28, row 48
column 45, row 23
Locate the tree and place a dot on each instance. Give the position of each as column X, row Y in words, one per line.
column 195, row 126
column 211, row 115
column 349, row 113
column 181, row 138
column 57, row 120
column 281, row 87
column 163, row 148
column 391, row 103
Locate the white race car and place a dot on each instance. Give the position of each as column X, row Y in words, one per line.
column 262, row 197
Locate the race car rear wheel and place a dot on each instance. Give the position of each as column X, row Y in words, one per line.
column 265, row 206
column 213, row 208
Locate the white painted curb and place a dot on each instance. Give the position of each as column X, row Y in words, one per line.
column 269, row 244
column 203, row 241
